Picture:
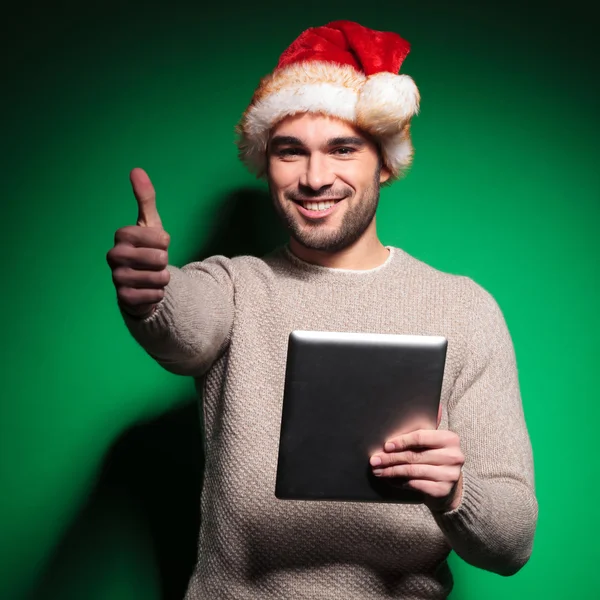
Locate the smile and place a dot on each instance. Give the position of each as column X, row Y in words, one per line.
column 322, row 205
column 317, row 208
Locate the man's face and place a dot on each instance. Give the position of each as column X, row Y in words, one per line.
column 324, row 177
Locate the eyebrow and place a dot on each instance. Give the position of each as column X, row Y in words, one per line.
column 346, row 141
column 289, row 140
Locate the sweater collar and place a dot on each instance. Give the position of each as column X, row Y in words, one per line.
column 321, row 270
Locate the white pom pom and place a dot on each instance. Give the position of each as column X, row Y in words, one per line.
column 386, row 103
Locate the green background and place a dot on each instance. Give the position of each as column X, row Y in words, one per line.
column 100, row 451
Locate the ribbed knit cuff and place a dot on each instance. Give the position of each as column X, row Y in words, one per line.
column 160, row 319
column 492, row 528
column 467, row 515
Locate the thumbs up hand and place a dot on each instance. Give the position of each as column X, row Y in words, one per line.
column 146, row 199
column 139, row 258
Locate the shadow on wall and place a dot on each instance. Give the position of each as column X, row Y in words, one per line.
column 149, row 487
column 246, row 223
column 152, row 474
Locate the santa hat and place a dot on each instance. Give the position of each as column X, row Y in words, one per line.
column 343, row 70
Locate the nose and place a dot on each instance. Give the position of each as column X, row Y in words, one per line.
column 318, row 173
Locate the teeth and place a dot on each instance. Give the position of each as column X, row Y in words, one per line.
column 318, row 205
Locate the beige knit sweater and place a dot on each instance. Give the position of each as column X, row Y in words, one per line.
column 226, row 322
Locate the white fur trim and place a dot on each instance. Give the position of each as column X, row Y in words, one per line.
column 397, row 152
column 317, row 97
column 386, row 103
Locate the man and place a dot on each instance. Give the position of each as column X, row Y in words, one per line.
column 326, row 129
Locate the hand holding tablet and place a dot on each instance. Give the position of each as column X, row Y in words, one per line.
column 426, row 460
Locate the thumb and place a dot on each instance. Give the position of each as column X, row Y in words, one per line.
column 439, row 417
column 146, row 199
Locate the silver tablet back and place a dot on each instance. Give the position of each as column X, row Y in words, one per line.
column 345, row 395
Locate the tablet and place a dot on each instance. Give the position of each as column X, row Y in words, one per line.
column 345, row 394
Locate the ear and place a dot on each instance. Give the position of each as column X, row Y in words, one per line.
column 384, row 174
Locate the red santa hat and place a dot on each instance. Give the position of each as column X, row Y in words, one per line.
column 343, row 70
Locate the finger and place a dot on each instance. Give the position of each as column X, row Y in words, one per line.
column 428, row 472
column 151, row 259
column 133, row 297
column 146, row 199
column 423, row 439
column 439, row 417
column 140, row 279
column 143, row 237
column 437, row 456
column 434, row 489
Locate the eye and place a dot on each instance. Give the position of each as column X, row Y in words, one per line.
column 344, row 151
column 283, row 152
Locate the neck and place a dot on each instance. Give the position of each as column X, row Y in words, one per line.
column 366, row 253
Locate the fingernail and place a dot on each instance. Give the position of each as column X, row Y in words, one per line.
column 389, row 446
column 377, row 472
column 375, row 461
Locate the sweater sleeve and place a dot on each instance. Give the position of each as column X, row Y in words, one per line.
column 191, row 326
column 493, row 527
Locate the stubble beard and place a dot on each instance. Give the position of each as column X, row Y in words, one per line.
column 313, row 236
